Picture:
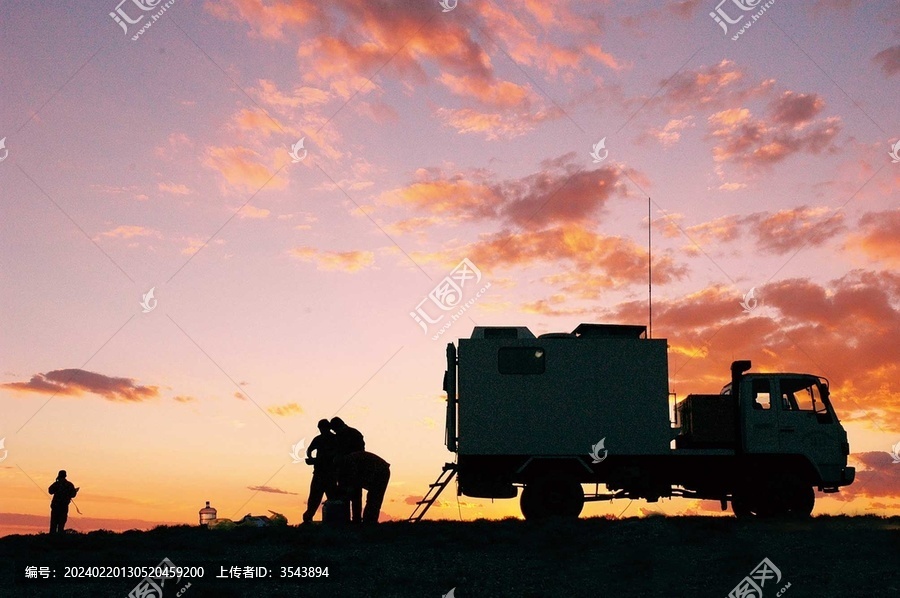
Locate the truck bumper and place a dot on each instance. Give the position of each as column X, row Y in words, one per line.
column 848, row 474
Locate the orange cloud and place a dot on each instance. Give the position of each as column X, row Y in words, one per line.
column 611, row 262
column 562, row 192
column 878, row 236
column 501, row 94
column 800, row 326
column 128, row 231
column 772, row 232
column 670, row 134
column 257, row 121
column 174, row 189
column 877, row 476
column 346, row 261
column 269, row 19
column 754, row 142
column 269, row 93
column 250, row 211
column 711, row 85
column 285, row 410
column 789, row 230
column 76, row 382
column 242, row 168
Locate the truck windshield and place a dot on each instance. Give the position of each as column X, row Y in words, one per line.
column 804, row 395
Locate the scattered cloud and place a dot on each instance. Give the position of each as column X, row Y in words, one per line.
column 345, row 261
column 878, row 236
column 130, row 231
column 251, row 211
column 174, row 189
column 888, row 60
column 285, row 410
column 775, row 233
column 757, row 143
column 270, row 490
column 243, row 168
column 76, row 382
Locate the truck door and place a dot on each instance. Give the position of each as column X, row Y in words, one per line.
column 761, row 431
column 807, row 424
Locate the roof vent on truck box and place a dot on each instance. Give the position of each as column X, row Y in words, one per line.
column 501, row 332
column 610, row 331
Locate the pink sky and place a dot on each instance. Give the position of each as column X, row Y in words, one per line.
column 284, row 288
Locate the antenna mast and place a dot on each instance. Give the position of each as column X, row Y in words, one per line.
column 649, row 269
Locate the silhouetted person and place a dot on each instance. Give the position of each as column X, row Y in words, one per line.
column 349, row 440
column 364, row 470
column 323, row 480
column 63, row 492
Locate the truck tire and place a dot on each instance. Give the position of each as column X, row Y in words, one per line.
column 741, row 507
column 552, row 496
column 802, row 502
column 781, row 497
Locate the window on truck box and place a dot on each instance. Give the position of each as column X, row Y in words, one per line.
column 520, row 360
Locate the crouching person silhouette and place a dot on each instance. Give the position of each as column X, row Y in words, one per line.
column 63, row 492
column 364, row 470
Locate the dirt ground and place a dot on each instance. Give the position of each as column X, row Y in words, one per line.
column 597, row 558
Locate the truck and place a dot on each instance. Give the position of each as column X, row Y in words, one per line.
column 548, row 415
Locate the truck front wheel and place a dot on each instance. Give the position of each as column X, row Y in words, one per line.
column 778, row 499
column 552, row 496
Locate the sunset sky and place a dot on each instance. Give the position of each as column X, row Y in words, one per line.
column 284, row 288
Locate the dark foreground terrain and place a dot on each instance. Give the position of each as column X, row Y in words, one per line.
column 597, row 558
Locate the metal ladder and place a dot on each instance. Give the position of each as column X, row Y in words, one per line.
column 434, row 490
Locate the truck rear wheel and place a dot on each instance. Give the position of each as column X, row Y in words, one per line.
column 552, row 496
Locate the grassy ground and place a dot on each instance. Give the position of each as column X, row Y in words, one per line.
column 599, row 558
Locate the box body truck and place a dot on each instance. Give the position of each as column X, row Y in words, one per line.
column 547, row 415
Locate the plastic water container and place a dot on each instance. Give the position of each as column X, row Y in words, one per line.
column 207, row 514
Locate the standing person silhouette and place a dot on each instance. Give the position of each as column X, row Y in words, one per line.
column 349, row 440
column 323, row 480
column 63, row 492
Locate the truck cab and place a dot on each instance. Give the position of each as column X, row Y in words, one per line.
column 785, row 434
column 791, row 414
